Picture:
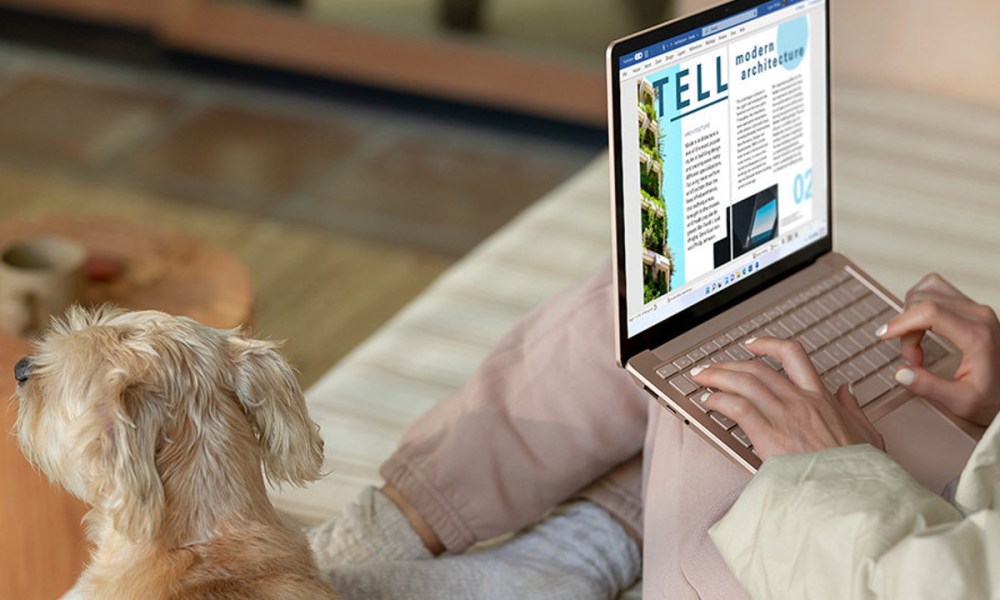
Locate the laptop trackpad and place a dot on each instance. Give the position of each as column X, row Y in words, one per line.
column 932, row 448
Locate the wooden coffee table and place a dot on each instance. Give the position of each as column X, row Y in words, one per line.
column 42, row 545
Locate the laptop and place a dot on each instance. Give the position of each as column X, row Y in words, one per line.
column 722, row 202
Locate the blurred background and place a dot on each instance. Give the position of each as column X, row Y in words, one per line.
column 348, row 151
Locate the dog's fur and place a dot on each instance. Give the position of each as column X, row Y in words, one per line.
column 163, row 426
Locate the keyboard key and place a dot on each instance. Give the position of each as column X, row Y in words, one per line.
column 697, row 354
column 842, row 325
column 793, row 324
column 823, row 308
column 723, row 421
column 833, row 381
column 807, row 315
column 839, row 298
column 823, row 361
column 709, row 348
column 741, row 437
column 853, row 317
column 870, row 388
column 816, row 338
column 667, row 370
column 738, row 352
column 851, row 372
column 875, row 357
column 855, row 289
column 699, row 400
column 778, row 330
column 888, row 349
column 807, row 344
column 864, row 365
column 683, row 362
column 837, row 352
column 684, row 385
column 849, row 344
column 722, row 341
column 828, row 331
column 864, row 336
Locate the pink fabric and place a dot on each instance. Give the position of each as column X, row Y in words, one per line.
column 550, row 416
column 689, row 486
column 547, row 413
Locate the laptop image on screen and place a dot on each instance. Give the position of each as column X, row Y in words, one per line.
column 722, row 202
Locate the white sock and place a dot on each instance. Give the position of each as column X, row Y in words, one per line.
column 371, row 529
column 578, row 553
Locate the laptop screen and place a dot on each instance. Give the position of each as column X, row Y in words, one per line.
column 721, row 148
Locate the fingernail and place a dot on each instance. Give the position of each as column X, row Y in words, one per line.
column 749, row 340
column 905, row 376
column 705, row 397
column 881, row 330
column 698, row 369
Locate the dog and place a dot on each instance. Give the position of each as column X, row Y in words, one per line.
column 168, row 429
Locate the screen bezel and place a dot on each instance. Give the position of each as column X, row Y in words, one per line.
column 656, row 335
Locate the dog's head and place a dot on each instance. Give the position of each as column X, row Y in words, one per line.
column 114, row 403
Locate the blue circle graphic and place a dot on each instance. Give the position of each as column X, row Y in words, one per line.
column 793, row 36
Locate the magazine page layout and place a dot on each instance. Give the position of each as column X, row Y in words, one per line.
column 725, row 155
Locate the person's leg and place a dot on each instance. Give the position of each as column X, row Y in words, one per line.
column 577, row 553
column 688, row 486
column 546, row 414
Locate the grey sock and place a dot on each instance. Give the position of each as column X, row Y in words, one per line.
column 578, row 553
column 371, row 529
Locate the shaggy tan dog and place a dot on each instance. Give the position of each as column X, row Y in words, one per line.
column 163, row 425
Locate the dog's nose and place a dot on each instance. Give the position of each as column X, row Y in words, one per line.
column 22, row 370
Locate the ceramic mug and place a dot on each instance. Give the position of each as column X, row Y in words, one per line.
column 40, row 277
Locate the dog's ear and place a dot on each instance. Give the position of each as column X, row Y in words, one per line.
column 130, row 485
column 266, row 386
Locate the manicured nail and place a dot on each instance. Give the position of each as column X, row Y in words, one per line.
column 749, row 340
column 881, row 330
column 698, row 369
column 705, row 397
column 905, row 376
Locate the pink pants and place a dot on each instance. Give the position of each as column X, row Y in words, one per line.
column 549, row 416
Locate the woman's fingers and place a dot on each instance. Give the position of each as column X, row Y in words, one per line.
column 864, row 428
column 747, row 379
column 743, row 410
column 934, row 283
column 928, row 315
column 792, row 357
column 909, row 347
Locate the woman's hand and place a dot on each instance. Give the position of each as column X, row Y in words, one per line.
column 785, row 414
column 936, row 305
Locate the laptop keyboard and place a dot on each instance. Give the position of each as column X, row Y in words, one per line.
column 834, row 320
